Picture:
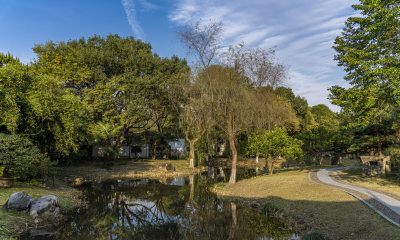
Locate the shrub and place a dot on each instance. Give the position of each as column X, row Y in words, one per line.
column 21, row 159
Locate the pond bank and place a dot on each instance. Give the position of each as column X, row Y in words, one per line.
column 146, row 168
column 315, row 207
column 14, row 223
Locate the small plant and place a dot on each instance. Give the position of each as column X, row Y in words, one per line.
column 313, row 236
column 271, row 209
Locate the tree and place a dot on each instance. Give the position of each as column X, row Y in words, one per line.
column 196, row 117
column 119, row 79
column 323, row 116
column 300, row 106
column 230, row 85
column 14, row 82
column 317, row 141
column 203, row 42
column 369, row 50
column 275, row 144
column 6, row 59
column 230, row 96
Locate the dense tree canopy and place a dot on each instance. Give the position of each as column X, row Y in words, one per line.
column 369, row 51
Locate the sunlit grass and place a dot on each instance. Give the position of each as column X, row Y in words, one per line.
column 12, row 222
column 321, row 208
column 389, row 184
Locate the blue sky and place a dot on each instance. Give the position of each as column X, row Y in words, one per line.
column 302, row 31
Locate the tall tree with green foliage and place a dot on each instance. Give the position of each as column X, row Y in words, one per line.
column 369, row 51
column 119, row 80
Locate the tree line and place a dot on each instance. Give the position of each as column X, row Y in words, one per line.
column 107, row 91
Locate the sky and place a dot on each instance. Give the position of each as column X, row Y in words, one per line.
column 301, row 31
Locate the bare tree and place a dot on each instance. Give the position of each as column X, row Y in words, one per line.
column 202, row 41
column 258, row 64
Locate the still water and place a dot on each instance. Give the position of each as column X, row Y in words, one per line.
column 179, row 208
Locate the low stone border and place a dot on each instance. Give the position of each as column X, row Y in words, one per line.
column 378, row 207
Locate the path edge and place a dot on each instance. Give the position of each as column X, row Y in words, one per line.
column 355, row 196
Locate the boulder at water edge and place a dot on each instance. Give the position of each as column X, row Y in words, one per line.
column 47, row 205
column 18, row 201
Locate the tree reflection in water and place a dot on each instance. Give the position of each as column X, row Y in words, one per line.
column 149, row 209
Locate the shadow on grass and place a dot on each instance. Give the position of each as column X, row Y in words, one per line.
column 335, row 220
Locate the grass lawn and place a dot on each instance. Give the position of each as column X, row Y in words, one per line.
column 354, row 176
column 15, row 222
column 316, row 207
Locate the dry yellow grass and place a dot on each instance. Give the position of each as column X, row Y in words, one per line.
column 329, row 211
column 129, row 169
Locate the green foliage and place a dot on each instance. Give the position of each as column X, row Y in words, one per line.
column 394, row 152
column 118, row 83
column 313, row 236
column 6, row 59
column 275, row 143
column 271, row 209
column 14, row 81
column 369, row 49
column 23, row 160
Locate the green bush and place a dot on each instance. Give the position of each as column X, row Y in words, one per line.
column 21, row 159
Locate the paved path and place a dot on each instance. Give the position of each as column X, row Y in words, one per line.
column 389, row 202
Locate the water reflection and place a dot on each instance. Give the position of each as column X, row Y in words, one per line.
column 180, row 208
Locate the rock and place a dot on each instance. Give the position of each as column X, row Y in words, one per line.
column 47, row 205
column 18, row 201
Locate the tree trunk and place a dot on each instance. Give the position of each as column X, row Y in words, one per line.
column 234, row 222
column 232, row 178
column 191, row 182
column 321, row 158
column 257, row 155
column 270, row 166
column 191, row 151
column 232, row 140
column 380, row 154
column 154, row 155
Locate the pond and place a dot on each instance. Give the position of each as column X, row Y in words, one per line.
column 179, row 208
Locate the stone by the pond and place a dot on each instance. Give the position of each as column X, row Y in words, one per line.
column 47, row 205
column 18, row 201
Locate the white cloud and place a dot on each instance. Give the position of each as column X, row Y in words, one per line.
column 130, row 11
column 147, row 6
column 303, row 32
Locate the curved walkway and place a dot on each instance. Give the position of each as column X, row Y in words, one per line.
column 386, row 206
